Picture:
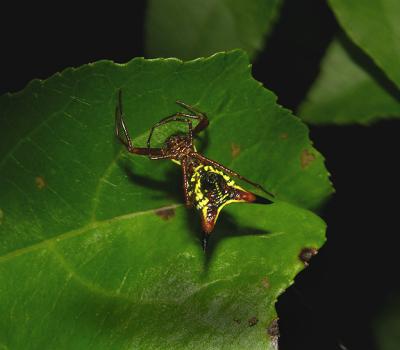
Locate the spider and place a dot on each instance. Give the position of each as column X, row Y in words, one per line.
column 207, row 185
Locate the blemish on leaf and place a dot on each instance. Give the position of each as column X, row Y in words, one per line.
column 165, row 213
column 237, row 320
column 273, row 332
column 306, row 254
column 252, row 321
column 1, row 216
column 235, row 150
column 306, row 158
column 273, row 329
column 265, row 282
column 40, row 182
column 284, row 136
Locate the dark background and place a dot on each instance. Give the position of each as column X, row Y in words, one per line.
column 334, row 301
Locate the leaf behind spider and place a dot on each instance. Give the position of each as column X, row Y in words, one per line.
column 97, row 250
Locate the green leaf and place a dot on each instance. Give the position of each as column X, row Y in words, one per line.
column 346, row 92
column 387, row 324
column 97, row 251
column 374, row 26
column 188, row 28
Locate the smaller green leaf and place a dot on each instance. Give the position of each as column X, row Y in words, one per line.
column 387, row 325
column 189, row 28
column 345, row 92
column 374, row 25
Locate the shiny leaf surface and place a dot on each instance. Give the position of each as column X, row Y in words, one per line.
column 347, row 92
column 190, row 28
column 97, row 250
column 374, row 26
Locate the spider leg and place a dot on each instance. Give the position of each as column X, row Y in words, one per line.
column 184, row 165
column 178, row 117
column 183, row 117
column 120, row 124
column 125, row 139
column 203, row 120
column 230, row 172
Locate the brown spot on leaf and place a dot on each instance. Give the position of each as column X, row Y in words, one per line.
column 40, row 182
column 252, row 321
column 265, row 282
column 306, row 158
column 306, row 254
column 235, row 150
column 237, row 320
column 284, row 136
column 273, row 329
column 165, row 213
column 273, row 332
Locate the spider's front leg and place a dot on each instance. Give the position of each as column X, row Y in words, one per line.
column 125, row 139
column 200, row 116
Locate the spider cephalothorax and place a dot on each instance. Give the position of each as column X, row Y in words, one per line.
column 207, row 185
column 178, row 146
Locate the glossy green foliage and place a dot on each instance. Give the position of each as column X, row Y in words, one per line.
column 374, row 26
column 190, row 28
column 357, row 86
column 96, row 249
column 346, row 91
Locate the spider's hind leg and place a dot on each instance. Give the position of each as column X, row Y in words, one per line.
column 185, row 175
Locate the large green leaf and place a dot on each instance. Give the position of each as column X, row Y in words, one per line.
column 190, row 28
column 97, row 251
column 374, row 25
column 346, row 92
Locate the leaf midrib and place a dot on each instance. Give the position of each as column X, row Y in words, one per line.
column 79, row 231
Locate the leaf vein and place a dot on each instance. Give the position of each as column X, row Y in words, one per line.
column 78, row 232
